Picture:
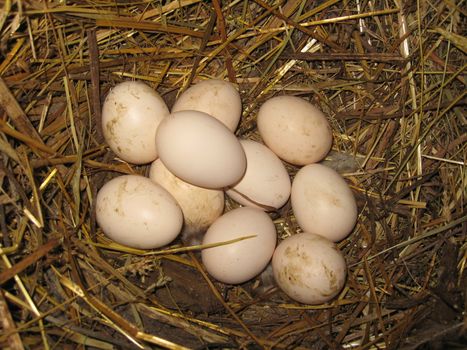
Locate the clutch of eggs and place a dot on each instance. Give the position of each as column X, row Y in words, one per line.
column 196, row 157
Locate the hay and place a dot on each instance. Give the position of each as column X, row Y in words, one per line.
column 391, row 78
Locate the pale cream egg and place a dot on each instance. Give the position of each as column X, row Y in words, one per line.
column 241, row 261
column 309, row 268
column 294, row 129
column 200, row 150
column 200, row 206
column 134, row 211
column 218, row 98
column 323, row 203
column 266, row 183
column 131, row 114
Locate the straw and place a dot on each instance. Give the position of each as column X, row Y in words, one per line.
column 390, row 76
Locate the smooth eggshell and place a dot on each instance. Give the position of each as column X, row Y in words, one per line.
column 135, row 211
column 218, row 98
column 131, row 114
column 266, row 183
column 200, row 150
column 200, row 206
column 294, row 129
column 240, row 261
column 309, row 268
column 323, row 203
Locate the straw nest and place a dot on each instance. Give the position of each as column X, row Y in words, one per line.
column 390, row 75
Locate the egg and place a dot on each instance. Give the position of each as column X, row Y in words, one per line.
column 294, row 129
column 309, row 268
column 200, row 206
column 241, row 261
column 266, row 183
column 323, row 203
column 134, row 211
column 215, row 97
column 200, row 150
column 131, row 114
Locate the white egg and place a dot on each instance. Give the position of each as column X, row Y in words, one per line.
column 200, row 150
column 294, row 129
column 243, row 260
column 131, row 114
column 215, row 97
column 309, row 268
column 323, row 203
column 200, row 206
column 266, row 183
column 134, row 211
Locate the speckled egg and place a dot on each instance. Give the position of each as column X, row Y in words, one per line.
column 309, row 268
column 131, row 114
column 133, row 210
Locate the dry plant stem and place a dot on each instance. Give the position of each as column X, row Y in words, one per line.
column 223, row 34
column 428, row 129
column 375, row 300
column 15, row 112
column 95, row 82
column 172, row 6
column 29, row 301
column 109, row 269
column 219, row 297
column 432, row 335
column 299, row 27
column 331, row 343
column 120, row 324
column 8, row 325
column 420, row 237
column 449, row 148
column 389, row 113
column 204, row 42
column 33, row 143
column 190, row 325
column 145, row 26
column 28, row 261
column 91, row 153
column 316, row 56
column 19, row 303
column 17, row 187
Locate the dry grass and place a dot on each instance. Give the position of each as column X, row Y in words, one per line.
column 389, row 74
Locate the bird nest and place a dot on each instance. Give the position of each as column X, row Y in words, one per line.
column 390, row 77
